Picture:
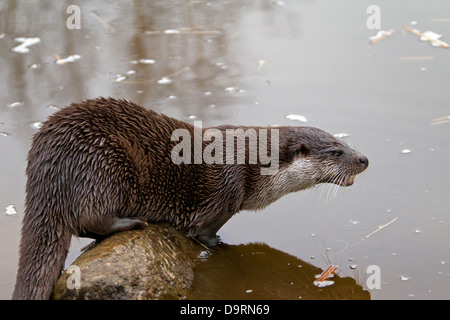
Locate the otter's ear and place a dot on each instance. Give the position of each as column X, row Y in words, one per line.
column 301, row 149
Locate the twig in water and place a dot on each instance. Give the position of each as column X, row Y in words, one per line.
column 422, row 35
column 379, row 228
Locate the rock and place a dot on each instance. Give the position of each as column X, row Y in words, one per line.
column 154, row 263
column 160, row 262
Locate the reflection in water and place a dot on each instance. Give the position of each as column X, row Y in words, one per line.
column 257, row 271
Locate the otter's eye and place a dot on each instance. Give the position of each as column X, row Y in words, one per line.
column 337, row 153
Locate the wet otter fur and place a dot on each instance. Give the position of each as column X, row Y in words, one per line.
column 104, row 165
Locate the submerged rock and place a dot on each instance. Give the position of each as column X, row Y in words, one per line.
column 154, row 263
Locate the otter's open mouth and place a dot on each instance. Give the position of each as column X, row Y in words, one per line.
column 347, row 181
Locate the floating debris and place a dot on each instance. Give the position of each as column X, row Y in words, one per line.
column 11, row 210
column 234, row 89
column 278, row 2
column 322, row 280
column 183, row 31
column 26, row 42
column 341, row 135
column 417, row 231
column 404, row 278
column 297, row 117
column 164, row 80
column 373, row 232
column 221, row 65
column 71, row 58
column 146, row 61
column 441, row 120
column 380, row 35
column 34, row 66
column 2, row 35
column 431, row 36
column 16, row 104
column 4, row 134
column 406, row 151
column 171, row 31
column 37, row 125
column 249, row 291
column 53, row 107
column 119, row 78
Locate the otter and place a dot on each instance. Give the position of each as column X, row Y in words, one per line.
column 106, row 165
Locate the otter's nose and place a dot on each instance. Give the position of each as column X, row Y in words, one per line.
column 363, row 161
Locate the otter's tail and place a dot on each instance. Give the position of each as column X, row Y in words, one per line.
column 43, row 249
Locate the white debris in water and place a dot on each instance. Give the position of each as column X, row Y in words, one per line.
column 434, row 37
column 11, row 210
column 249, row 291
column 71, row 58
column 53, row 107
column 353, row 266
column 207, row 93
column 341, row 135
column 191, row 117
column 147, row 61
column 16, row 104
column 171, row 31
column 322, row 284
column 37, row 125
column 4, row 134
column 35, row 66
column 279, row 3
column 417, row 231
column 296, row 117
column 164, row 80
column 380, row 33
column 221, row 65
column 405, row 151
column 119, row 78
column 404, row 278
column 26, row 42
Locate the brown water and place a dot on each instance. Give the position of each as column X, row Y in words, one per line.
column 254, row 62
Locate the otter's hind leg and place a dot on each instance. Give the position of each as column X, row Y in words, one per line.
column 102, row 227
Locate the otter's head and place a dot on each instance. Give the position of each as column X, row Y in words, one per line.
column 313, row 156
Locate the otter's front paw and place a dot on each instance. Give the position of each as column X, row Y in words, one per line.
column 208, row 240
